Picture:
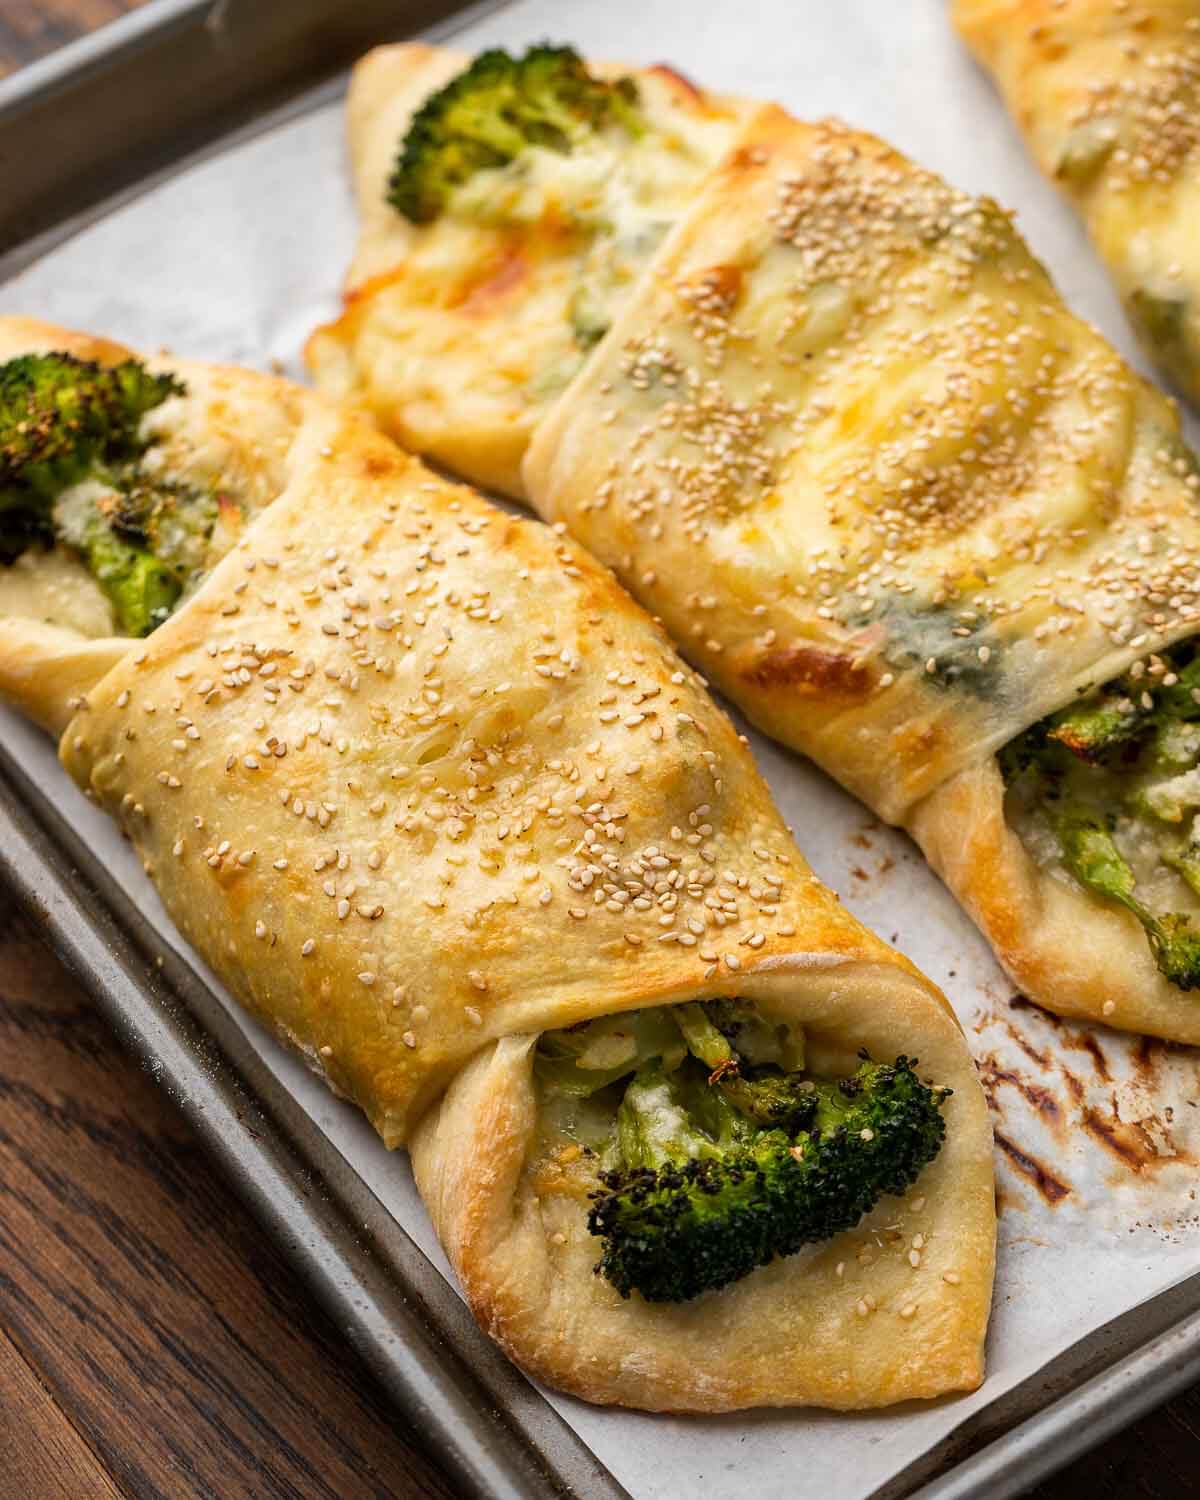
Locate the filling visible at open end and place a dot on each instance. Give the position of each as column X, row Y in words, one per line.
column 706, row 1149
column 1107, row 793
column 539, row 146
column 79, row 471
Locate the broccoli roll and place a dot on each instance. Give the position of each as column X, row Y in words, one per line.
column 913, row 516
column 442, row 808
column 507, row 205
column 1108, row 96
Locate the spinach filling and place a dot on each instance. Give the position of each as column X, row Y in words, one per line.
column 936, row 641
column 1164, row 325
column 1110, row 788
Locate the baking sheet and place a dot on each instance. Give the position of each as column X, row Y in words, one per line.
column 1098, row 1136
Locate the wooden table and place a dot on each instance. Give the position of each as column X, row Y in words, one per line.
column 153, row 1342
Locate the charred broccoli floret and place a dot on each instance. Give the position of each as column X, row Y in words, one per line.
column 60, row 415
column 1092, row 730
column 703, row 1195
column 70, row 451
column 496, row 109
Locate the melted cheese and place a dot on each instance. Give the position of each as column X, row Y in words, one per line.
column 457, row 334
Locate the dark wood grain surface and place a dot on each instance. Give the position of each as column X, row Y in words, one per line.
column 154, row 1345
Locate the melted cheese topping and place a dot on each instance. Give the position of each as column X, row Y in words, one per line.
column 849, row 444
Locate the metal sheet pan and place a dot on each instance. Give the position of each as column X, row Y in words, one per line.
column 229, row 70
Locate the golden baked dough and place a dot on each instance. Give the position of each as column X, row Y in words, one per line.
column 230, row 431
column 896, row 502
column 1107, row 93
column 420, row 782
column 457, row 334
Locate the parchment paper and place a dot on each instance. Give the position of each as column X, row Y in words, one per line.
column 1098, row 1135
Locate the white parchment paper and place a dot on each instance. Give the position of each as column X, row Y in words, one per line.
column 1098, row 1136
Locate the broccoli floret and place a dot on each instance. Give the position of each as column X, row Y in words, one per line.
column 142, row 590
column 60, row 415
column 63, row 421
column 1185, row 861
column 764, row 1094
column 1093, row 730
column 1091, row 855
column 1175, row 944
column 497, row 108
column 1127, row 756
column 582, row 1060
column 702, row 1195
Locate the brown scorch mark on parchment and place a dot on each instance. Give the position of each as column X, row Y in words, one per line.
column 991, row 1074
column 1116, row 1093
column 1050, row 1187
